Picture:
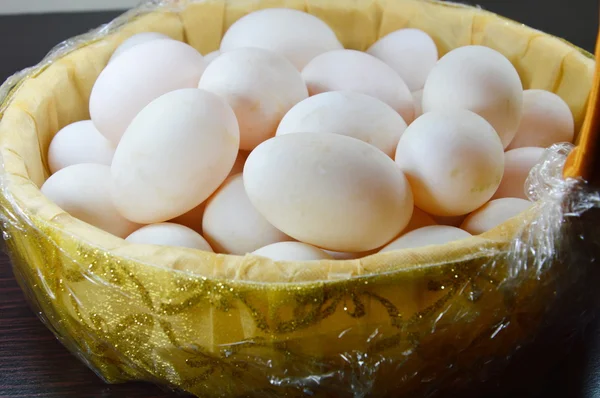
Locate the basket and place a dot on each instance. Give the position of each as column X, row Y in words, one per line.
column 413, row 321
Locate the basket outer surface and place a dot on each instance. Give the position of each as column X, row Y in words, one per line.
column 217, row 325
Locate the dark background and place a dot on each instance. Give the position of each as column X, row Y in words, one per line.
column 34, row 364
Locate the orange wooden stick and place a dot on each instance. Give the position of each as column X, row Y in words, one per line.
column 584, row 160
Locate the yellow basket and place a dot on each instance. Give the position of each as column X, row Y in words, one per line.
column 217, row 325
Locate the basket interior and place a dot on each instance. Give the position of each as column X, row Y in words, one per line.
column 56, row 93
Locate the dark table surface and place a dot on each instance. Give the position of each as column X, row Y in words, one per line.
column 32, row 361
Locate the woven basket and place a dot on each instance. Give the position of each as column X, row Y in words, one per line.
column 216, row 325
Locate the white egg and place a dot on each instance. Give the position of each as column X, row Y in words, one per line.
column 240, row 161
column 431, row 235
column 453, row 221
column 453, row 160
column 347, row 113
column 136, row 78
column 260, row 85
column 79, row 142
column 493, row 214
column 292, row 251
column 345, row 255
column 360, row 72
column 517, row 165
column 547, row 120
column 418, row 101
column 208, row 58
column 412, row 53
column 418, row 220
column 169, row 234
column 232, row 225
column 328, row 190
column 481, row 80
column 135, row 40
column 294, row 34
column 174, row 155
column 82, row 190
column 191, row 219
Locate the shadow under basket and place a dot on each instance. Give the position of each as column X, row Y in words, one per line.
column 415, row 321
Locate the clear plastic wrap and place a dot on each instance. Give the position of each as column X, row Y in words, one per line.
column 416, row 322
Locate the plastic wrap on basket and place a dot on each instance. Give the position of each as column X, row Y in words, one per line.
column 547, row 241
column 437, row 318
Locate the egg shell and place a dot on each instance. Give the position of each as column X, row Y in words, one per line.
column 138, row 77
column 493, row 214
column 191, row 219
column 360, row 72
column 418, row 101
column 240, row 161
column 418, row 220
column 412, row 53
column 452, row 221
column 174, row 155
column 453, row 160
column 431, row 235
column 208, row 58
column 169, row 234
column 328, row 190
column 82, row 190
column 232, row 225
column 79, row 142
column 345, row 255
column 135, row 40
column 547, row 120
column 292, row 251
column 260, row 85
column 347, row 113
column 296, row 35
column 517, row 165
column 481, row 80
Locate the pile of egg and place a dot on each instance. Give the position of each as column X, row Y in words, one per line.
column 284, row 144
